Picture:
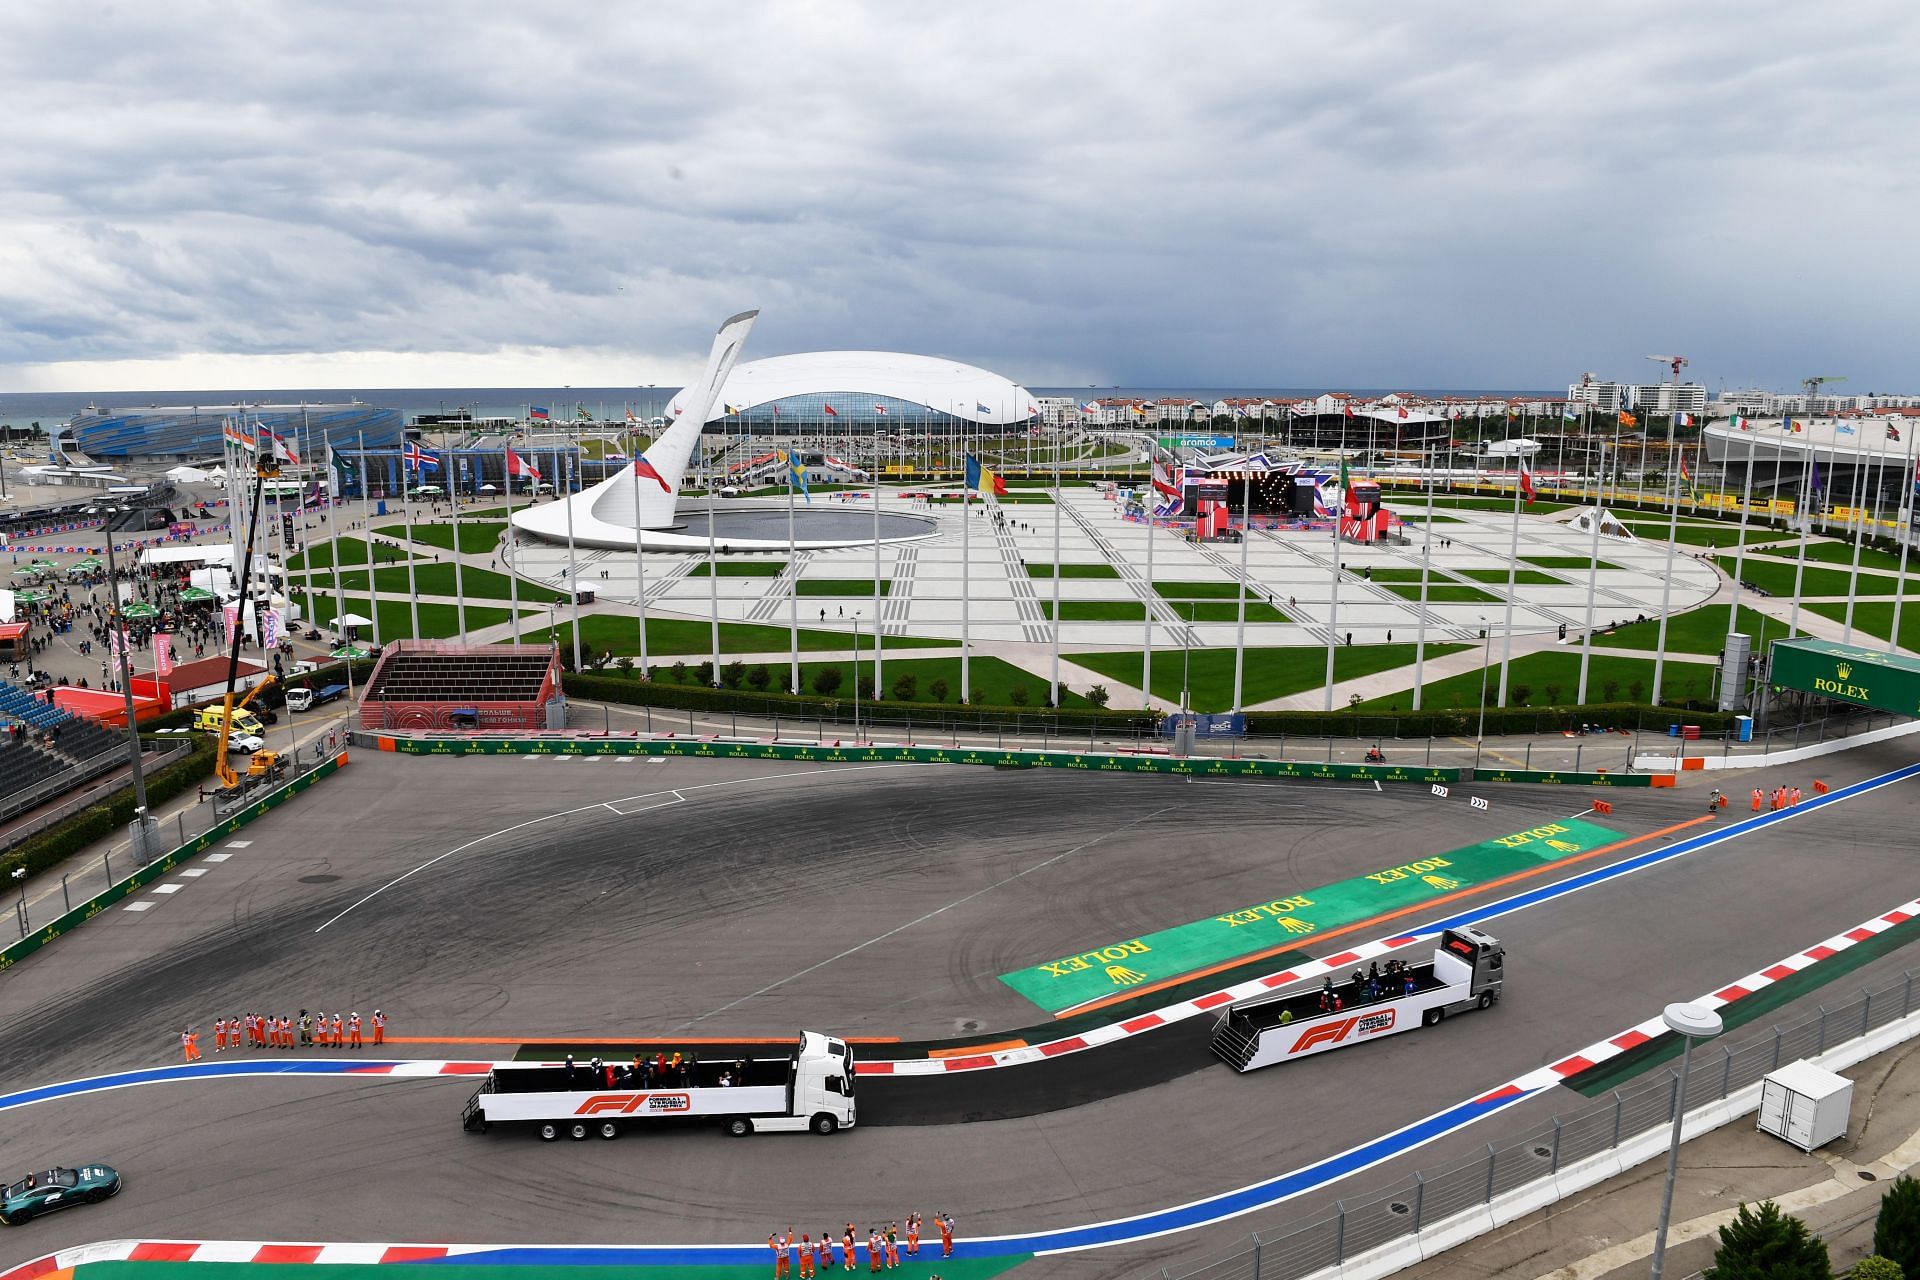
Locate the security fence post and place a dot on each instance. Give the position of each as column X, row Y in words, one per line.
column 1488, row 1198
column 1726, row 1071
column 1256, row 1255
column 1617, row 1107
column 1557, row 1127
column 1340, row 1231
column 1419, row 1198
column 65, row 897
column 1866, row 1010
column 1823, row 1032
column 107, row 862
column 1776, row 1051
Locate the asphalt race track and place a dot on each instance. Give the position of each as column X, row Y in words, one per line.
column 697, row 898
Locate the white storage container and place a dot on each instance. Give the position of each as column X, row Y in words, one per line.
column 1805, row 1105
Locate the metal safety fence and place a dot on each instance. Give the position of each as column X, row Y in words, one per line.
column 1356, row 1223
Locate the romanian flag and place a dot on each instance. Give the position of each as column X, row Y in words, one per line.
column 982, row 481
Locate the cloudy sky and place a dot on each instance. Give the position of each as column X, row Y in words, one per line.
column 355, row 194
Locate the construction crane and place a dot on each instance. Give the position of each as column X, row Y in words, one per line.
column 266, row 467
column 1812, row 387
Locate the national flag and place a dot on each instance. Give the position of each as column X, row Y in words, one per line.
column 1568, row 415
column 776, row 409
column 1893, row 432
column 1739, row 423
column 342, row 463
column 1628, row 420
column 1139, row 410
column 982, row 481
column 1513, row 413
column 830, row 411
column 581, row 412
column 1090, row 407
column 1790, row 425
column 1033, row 411
column 519, row 466
column 733, row 410
column 1682, row 419
column 1686, row 477
column 631, row 416
column 1526, row 482
column 538, row 413
column 1348, row 410
column 1402, row 413
column 880, row 409
column 418, row 459
column 1239, row 411
column 795, row 475
column 644, row 469
column 1343, row 475
column 982, row 410
column 280, row 448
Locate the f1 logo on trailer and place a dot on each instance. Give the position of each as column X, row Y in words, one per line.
column 1334, row 1032
column 625, row 1104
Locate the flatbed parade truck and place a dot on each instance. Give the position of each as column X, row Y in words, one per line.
column 1466, row 972
column 810, row 1089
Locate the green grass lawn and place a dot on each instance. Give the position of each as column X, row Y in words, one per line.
column 1582, row 563
column 1842, row 553
column 600, row 633
column 1524, row 577
column 352, row 551
column 1776, row 578
column 1874, row 618
column 1098, row 610
column 1420, row 517
column 1698, row 535
column 1445, row 593
column 437, row 621
column 1384, row 574
column 844, row 587
column 1199, row 590
column 1269, row 672
column 1073, row 571
column 741, row 569
column 994, row 678
column 438, row 580
column 477, row 537
column 1227, row 611
column 1698, row 631
column 1537, row 670
column 1477, row 504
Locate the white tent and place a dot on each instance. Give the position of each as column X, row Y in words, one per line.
column 189, row 475
column 1610, row 526
column 1519, row 447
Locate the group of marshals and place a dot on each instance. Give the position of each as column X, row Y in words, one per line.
column 270, row 1031
column 883, row 1247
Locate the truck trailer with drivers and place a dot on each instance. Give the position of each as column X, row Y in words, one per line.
column 808, row 1089
column 1466, row 972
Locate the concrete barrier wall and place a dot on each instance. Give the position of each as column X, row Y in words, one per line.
column 1672, row 764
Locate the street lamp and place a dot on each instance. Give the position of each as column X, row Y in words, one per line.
column 1486, row 652
column 20, row 908
column 856, row 676
column 1691, row 1022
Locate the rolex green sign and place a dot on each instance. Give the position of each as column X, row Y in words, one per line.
column 1849, row 673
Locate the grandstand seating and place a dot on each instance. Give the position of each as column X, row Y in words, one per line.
column 17, row 704
column 24, row 764
column 488, row 675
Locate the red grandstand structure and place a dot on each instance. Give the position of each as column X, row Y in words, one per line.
column 432, row 684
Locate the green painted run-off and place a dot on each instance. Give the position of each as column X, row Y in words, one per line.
column 1296, row 917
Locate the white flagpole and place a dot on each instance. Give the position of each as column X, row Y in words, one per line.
column 966, row 581
column 1333, row 609
column 793, row 585
column 1426, row 573
column 1807, row 466
column 639, row 557
column 879, row 629
column 406, row 507
column 713, row 566
column 1740, row 549
column 1593, row 577
column 1146, row 644
column 333, row 537
column 511, row 545
column 448, row 466
column 1240, row 620
column 366, row 520
column 1513, row 565
column 1859, row 540
column 1673, row 536
column 573, row 571
column 1059, row 693
column 1903, row 534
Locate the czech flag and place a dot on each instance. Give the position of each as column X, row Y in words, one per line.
column 1089, row 407
column 983, row 481
column 539, row 413
column 644, row 469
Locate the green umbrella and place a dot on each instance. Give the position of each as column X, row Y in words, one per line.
column 31, row 596
column 349, row 651
column 139, row 609
column 42, row 564
column 197, row 595
column 89, row 565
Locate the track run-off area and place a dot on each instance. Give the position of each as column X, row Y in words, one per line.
column 883, row 905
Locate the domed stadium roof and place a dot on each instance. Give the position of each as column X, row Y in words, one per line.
column 852, row 382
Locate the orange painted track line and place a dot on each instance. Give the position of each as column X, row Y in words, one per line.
column 622, row 1039
column 963, row 1050
column 1372, row 921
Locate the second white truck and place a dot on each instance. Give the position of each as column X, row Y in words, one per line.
column 810, row 1089
column 1467, row 972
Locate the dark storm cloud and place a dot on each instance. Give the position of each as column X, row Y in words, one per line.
column 1363, row 194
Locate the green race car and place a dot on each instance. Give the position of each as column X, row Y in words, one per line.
column 39, row 1193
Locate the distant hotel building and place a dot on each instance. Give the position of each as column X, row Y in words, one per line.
column 196, row 431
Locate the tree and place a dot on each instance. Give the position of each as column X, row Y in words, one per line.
column 1896, row 1234
column 937, row 688
column 759, row 678
column 1521, row 692
column 733, row 674
column 786, row 680
column 1636, row 687
column 1553, row 693
column 703, row 674
column 1875, row 1267
column 1761, row 1243
column 679, row 670
column 1098, row 695
column 625, row 664
column 864, row 685
column 1018, row 695
column 827, row 679
column 905, row 688
column 1610, row 691
column 978, row 697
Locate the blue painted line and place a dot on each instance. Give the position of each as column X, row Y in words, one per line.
column 187, row 1071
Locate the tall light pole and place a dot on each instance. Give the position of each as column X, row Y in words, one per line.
column 1486, row 652
column 1673, row 524
column 856, row 676
column 1691, row 1022
column 124, row 644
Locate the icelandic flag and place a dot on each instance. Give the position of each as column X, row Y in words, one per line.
column 644, row 469
column 983, row 481
column 417, row 458
column 539, row 413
